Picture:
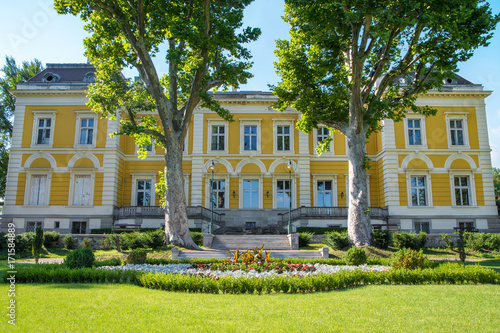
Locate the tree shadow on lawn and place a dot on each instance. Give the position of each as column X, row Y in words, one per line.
column 71, row 285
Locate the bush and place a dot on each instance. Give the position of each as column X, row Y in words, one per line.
column 108, row 262
column 337, row 240
column 197, row 237
column 305, row 238
column 319, row 230
column 106, row 243
column 447, row 241
column 137, row 257
column 80, row 258
column 157, row 238
column 23, row 242
column 408, row 259
column 135, row 240
column 37, row 244
column 3, row 240
column 492, row 242
column 409, row 240
column 69, row 242
column 50, row 238
column 382, row 238
column 356, row 256
column 100, row 231
column 86, row 242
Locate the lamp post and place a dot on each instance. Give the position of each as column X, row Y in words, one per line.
column 289, row 166
column 212, row 167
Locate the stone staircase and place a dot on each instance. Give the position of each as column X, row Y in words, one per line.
column 250, row 242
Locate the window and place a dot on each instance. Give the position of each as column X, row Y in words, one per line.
column 250, row 224
column 57, row 224
column 462, row 190
column 418, row 191
column 86, row 131
column 322, row 134
column 422, row 227
column 38, row 190
column 250, row 138
column 218, row 193
column 31, row 227
column 250, row 194
column 43, row 136
column 414, row 132
column 43, row 121
column 79, row 227
column 467, row 226
column 143, row 193
column 218, row 138
column 283, row 138
column 82, row 195
column 283, row 194
column 325, row 195
column 457, row 132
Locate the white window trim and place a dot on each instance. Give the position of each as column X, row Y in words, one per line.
column 257, row 177
column 27, row 189
column 186, row 187
column 43, row 114
column 283, row 121
column 249, row 121
column 71, row 198
column 417, row 173
column 293, row 189
column 472, row 187
column 325, row 177
column 346, row 176
column 453, row 115
column 143, row 176
column 218, row 122
column 422, row 130
column 185, row 147
column 89, row 115
column 208, row 179
column 153, row 149
column 331, row 150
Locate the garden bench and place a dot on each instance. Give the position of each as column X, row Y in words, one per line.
column 125, row 227
column 380, row 226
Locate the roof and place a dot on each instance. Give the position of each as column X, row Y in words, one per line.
column 64, row 74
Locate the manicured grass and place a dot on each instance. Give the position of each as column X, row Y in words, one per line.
column 127, row 308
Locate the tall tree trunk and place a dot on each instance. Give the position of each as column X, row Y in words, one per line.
column 176, row 221
column 359, row 226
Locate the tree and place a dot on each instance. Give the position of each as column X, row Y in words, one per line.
column 37, row 245
column 351, row 63
column 496, row 182
column 12, row 76
column 204, row 52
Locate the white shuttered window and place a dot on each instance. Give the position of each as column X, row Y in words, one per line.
column 38, row 190
column 83, row 188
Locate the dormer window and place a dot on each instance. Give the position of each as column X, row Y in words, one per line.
column 89, row 77
column 51, row 77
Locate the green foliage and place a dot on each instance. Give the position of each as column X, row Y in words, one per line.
column 100, row 231
column 496, row 183
column 409, row 240
column 408, row 259
column 3, row 240
column 356, row 256
column 108, row 262
column 12, row 75
column 197, row 237
column 319, row 230
column 69, row 242
column 135, row 240
column 158, row 238
column 80, row 258
column 50, row 238
column 136, row 257
column 106, row 243
column 86, row 242
column 23, row 242
column 305, row 238
column 37, row 244
column 337, row 240
column 447, row 241
column 382, row 239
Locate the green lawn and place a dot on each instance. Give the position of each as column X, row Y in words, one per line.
column 128, row 308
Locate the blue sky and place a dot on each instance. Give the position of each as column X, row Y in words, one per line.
column 32, row 29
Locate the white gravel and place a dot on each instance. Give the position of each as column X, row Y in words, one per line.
column 183, row 269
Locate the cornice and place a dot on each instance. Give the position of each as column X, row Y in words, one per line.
column 49, row 93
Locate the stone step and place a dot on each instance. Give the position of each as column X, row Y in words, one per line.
column 250, row 242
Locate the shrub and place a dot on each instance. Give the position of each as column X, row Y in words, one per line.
column 137, row 257
column 447, row 241
column 337, row 240
column 101, row 231
column 3, row 240
column 319, row 230
column 475, row 241
column 157, row 238
column 305, row 238
column 106, row 243
column 23, row 242
column 80, row 258
column 86, row 242
column 493, row 242
column 51, row 238
column 408, row 259
column 409, row 240
column 37, row 244
column 135, row 240
column 356, row 256
column 382, row 238
column 69, row 242
column 197, row 237
column 108, row 262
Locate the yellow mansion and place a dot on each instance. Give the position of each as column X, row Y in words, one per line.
column 67, row 173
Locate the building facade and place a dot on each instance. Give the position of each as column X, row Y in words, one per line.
column 67, row 173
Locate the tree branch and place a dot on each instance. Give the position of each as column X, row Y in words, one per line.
column 366, row 34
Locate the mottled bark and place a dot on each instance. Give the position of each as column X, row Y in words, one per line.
column 176, row 221
column 359, row 226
